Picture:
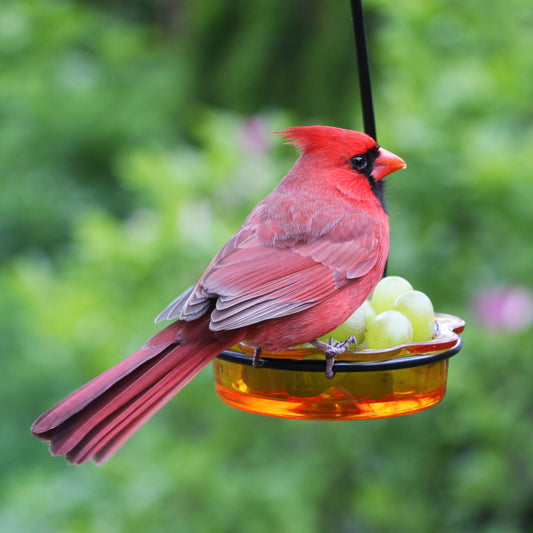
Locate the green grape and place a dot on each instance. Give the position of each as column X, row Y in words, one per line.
column 363, row 345
column 355, row 325
column 417, row 307
column 390, row 328
column 369, row 312
column 386, row 292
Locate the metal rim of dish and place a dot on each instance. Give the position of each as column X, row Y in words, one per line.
column 314, row 365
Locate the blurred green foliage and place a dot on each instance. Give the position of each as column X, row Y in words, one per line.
column 136, row 136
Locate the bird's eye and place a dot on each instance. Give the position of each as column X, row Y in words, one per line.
column 358, row 162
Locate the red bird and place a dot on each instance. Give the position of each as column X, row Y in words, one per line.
column 305, row 258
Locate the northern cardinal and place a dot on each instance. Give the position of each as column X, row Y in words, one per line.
column 304, row 259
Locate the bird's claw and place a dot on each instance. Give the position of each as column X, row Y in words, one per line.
column 343, row 345
column 332, row 349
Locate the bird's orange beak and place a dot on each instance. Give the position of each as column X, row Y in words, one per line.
column 386, row 163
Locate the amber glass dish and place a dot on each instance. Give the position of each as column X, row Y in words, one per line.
column 367, row 383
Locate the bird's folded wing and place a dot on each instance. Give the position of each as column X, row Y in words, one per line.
column 253, row 281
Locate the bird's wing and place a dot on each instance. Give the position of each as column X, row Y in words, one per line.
column 255, row 277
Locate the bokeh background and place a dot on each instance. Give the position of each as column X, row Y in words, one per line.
column 134, row 138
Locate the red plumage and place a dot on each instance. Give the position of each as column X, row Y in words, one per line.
column 304, row 259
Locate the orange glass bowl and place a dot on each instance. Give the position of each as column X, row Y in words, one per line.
column 396, row 381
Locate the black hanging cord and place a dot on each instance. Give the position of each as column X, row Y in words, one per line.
column 363, row 67
column 365, row 86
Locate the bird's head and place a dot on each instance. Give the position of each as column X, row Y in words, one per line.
column 346, row 149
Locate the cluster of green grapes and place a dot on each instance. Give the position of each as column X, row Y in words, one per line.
column 394, row 314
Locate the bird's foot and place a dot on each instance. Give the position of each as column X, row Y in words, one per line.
column 257, row 362
column 332, row 349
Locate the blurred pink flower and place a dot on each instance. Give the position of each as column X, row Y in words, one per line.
column 254, row 135
column 504, row 308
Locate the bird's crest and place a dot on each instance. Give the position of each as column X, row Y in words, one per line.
column 316, row 139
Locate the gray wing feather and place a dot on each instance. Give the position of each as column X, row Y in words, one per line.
column 173, row 310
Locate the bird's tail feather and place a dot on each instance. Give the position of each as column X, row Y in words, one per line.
column 95, row 420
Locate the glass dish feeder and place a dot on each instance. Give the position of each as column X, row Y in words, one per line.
column 367, row 384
